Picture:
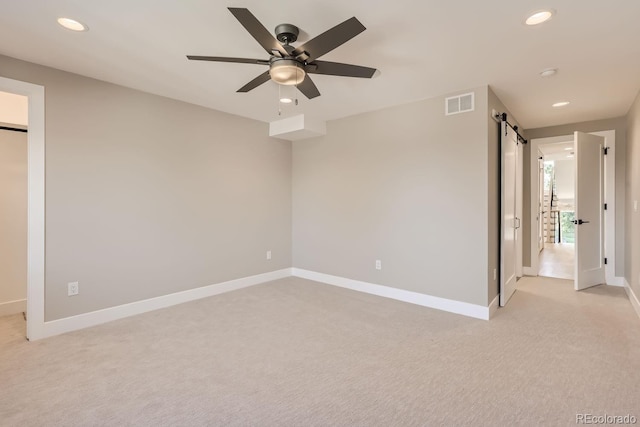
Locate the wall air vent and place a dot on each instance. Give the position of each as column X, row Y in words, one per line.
column 459, row 104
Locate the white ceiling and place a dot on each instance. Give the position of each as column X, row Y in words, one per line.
column 557, row 151
column 423, row 49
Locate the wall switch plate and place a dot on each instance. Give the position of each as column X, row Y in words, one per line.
column 72, row 288
column 378, row 264
column 268, row 255
column 635, row 206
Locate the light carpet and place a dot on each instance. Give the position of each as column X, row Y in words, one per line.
column 298, row 353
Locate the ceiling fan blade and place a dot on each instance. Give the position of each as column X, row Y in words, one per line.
column 257, row 30
column 224, row 59
column 262, row 78
column 330, row 39
column 308, row 88
column 339, row 69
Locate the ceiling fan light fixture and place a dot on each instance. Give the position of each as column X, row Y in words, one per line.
column 285, row 100
column 287, row 72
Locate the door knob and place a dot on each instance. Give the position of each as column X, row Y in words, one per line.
column 580, row 222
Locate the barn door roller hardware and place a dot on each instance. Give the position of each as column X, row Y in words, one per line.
column 503, row 117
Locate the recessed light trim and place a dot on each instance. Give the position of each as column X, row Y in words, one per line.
column 548, row 72
column 561, row 104
column 72, row 24
column 540, row 16
column 568, row 149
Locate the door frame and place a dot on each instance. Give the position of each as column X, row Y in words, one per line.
column 35, row 202
column 540, row 205
column 609, row 195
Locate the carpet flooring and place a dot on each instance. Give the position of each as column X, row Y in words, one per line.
column 298, row 353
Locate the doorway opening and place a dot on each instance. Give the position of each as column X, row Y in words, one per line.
column 598, row 180
column 557, row 210
column 13, row 220
column 35, row 327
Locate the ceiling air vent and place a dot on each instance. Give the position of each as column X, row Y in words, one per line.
column 459, row 104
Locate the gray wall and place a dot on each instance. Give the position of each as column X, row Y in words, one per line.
column 13, row 215
column 620, row 126
column 632, row 179
column 494, row 195
column 406, row 185
column 147, row 196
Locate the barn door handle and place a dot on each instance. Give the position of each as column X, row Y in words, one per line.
column 580, row 222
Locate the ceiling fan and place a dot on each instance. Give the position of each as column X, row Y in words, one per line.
column 290, row 65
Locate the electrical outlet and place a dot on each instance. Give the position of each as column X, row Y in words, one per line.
column 378, row 264
column 72, row 288
column 268, row 255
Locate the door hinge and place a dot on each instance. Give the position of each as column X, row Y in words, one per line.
column 605, row 260
column 606, row 150
column 605, row 206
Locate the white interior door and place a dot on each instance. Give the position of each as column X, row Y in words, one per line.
column 589, row 211
column 519, row 207
column 509, row 221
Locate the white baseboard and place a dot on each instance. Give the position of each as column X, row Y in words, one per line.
column 13, row 307
column 452, row 306
column 81, row 321
column 635, row 302
column 493, row 307
column 616, row 281
column 528, row 271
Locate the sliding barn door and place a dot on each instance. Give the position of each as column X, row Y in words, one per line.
column 509, row 219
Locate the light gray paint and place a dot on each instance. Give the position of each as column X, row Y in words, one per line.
column 620, row 126
column 494, row 195
column 13, row 215
column 406, row 185
column 632, row 179
column 147, row 196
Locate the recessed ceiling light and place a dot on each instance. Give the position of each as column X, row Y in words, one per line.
column 72, row 24
column 561, row 104
column 548, row 72
column 539, row 17
column 568, row 149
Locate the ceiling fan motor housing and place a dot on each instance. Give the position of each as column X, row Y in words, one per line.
column 287, row 33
